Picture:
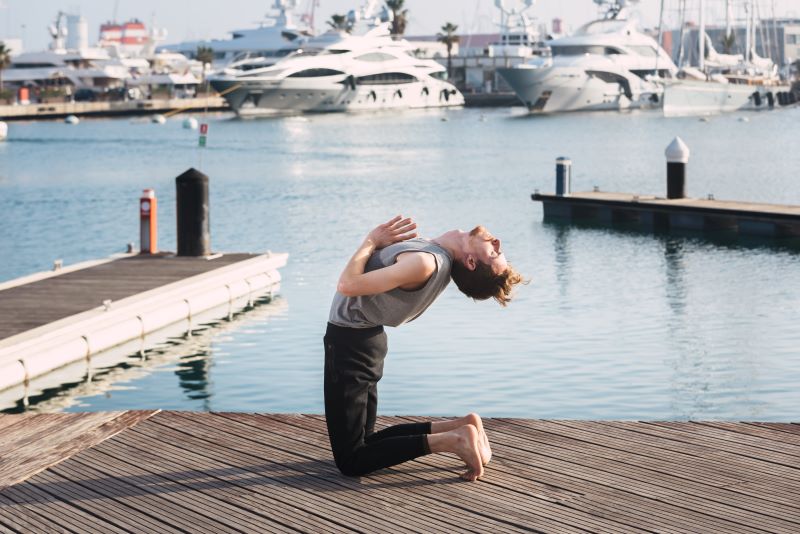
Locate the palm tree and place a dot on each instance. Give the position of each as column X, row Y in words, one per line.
column 340, row 23
column 5, row 61
column 728, row 42
column 399, row 18
column 449, row 38
column 205, row 55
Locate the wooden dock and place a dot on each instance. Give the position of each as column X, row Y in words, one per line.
column 55, row 110
column 53, row 319
column 231, row 472
column 652, row 212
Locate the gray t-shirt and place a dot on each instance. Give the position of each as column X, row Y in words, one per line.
column 397, row 306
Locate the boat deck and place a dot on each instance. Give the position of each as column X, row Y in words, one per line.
column 232, row 472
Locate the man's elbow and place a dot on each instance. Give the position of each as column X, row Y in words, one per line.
column 346, row 288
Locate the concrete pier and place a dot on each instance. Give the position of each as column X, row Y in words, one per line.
column 158, row 471
column 70, row 314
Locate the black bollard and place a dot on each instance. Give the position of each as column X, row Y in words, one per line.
column 677, row 157
column 194, row 238
column 563, row 176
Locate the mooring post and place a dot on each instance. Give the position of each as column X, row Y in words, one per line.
column 677, row 157
column 194, row 238
column 148, row 226
column 563, row 176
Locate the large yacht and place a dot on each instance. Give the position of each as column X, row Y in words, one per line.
column 275, row 37
column 608, row 64
column 359, row 69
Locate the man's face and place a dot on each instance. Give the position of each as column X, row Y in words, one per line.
column 486, row 249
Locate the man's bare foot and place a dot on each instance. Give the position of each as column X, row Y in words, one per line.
column 464, row 442
column 468, row 449
column 485, row 449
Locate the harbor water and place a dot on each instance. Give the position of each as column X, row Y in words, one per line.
column 614, row 324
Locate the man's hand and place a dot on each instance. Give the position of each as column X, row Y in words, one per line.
column 394, row 231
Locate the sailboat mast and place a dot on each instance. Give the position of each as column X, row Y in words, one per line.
column 701, row 46
column 748, row 10
column 728, row 18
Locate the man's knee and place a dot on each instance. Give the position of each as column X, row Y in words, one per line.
column 348, row 463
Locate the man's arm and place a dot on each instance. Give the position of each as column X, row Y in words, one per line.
column 409, row 270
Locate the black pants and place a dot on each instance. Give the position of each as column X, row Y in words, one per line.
column 353, row 365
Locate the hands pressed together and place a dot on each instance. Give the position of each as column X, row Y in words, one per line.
column 394, row 231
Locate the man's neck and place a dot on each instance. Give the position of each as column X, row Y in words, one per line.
column 452, row 242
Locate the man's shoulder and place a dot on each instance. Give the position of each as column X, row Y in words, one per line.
column 418, row 259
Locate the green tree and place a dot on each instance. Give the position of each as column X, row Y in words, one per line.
column 340, row 23
column 400, row 17
column 449, row 38
column 5, row 61
column 728, row 42
column 205, row 55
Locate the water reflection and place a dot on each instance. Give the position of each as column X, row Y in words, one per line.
column 191, row 358
column 562, row 257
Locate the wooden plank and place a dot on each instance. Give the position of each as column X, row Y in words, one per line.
column 643, row 483
column 84, row 497
column 34, row 425
column 506, row 483
column 412, row 492
column 526, row 510
column 682, row 480
column 229, row 488
column 780, row 465
column 194, row 506
column 757, row 430
column 305, row 480
column 68, row 437
column 33, row 500
column 681, row 443
column 768, row 447
column 789, row 428
column 25, row 519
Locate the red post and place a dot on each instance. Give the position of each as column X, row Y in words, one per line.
column 148, row 214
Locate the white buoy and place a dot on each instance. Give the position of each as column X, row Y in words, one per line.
column 190, row 123
column 72, row 119
column 158, row 119
column 744, row 119
column 3, row 131
column 705, row 119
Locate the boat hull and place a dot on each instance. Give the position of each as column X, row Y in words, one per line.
column 559, row 89
column 252, row 99
column 686, row 98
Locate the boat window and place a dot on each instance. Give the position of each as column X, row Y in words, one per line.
column 334, row 51
column 439, row 75
column 579, row 50
column 32, row 65
column 646, row 51
column 376, row 56
column 315, row 73
column 386, row 78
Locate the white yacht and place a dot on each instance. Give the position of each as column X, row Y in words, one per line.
column 608, row 64
column 276, row 37
column 723, row 83
column 341, row 71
